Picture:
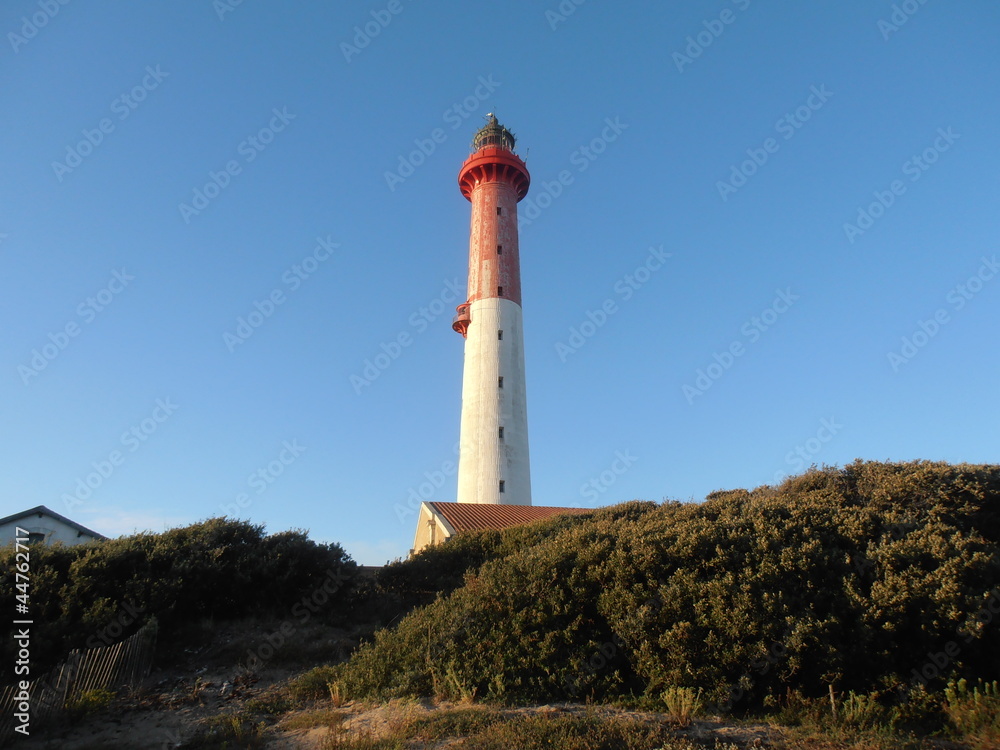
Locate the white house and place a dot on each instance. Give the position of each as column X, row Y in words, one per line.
column 45, row 526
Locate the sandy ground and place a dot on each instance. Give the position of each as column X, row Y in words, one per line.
column 168, row 719
column 161, row 716
column 379, row 721
column 209, row 682
column 203, row 682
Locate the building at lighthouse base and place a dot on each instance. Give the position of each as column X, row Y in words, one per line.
column 438, row 522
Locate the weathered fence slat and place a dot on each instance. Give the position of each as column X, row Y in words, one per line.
column 102, row 668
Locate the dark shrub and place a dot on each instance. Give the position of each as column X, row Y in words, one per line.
column 220, row 569
column 846, row 577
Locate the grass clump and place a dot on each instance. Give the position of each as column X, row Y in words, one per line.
column 861, row 711
column 90, row 702
column 456, row 723
column 339, row 741
column 314, row 684
column 974, row 712
column 227, row 732
column 321, row 717
column 571, row 732
column 683, row 704
column 271, row 703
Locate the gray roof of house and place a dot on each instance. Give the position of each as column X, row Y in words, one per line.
column 41, row 510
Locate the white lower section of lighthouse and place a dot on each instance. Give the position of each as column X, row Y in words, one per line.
column 493, row 453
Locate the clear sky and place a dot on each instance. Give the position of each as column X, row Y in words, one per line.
column 759, row 236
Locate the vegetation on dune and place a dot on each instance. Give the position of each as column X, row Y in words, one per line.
column 442, row 568
column 844, row 603
column 869, row 580
column 221, row 569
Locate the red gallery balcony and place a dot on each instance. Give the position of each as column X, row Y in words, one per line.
column 460, row 323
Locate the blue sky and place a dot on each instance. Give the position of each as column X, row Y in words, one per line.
column 758, row 237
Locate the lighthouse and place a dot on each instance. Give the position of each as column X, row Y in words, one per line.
column 493, row 462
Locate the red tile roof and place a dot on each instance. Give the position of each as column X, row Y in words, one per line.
column 476, row 516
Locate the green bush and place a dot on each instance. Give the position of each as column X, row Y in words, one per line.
column 848, row 577
column 442, row 568
column 219, row 569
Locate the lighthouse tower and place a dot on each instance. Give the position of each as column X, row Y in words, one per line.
column 493, row 451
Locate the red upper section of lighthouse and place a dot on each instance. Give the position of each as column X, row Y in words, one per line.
column 492, row 164
column 493, row 179
column 494, row 160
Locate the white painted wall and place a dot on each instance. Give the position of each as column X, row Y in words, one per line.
column 431, row 529
column 485, row 459
column 54, row 530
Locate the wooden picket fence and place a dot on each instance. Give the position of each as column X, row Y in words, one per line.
column 121, row 664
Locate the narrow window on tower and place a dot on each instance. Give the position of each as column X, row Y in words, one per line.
column 500, row 382
column 499, row 291
column 499, row 249
column 499, row 210
column 499, row 335
column 500, row 433
column 501, row 485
